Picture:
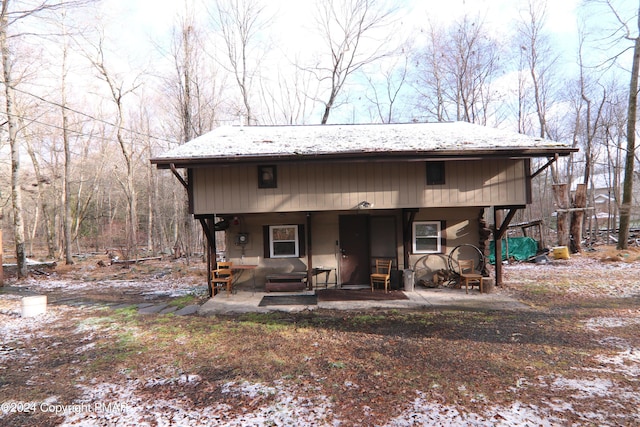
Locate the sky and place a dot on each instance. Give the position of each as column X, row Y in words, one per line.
column 138, row 27
column 155, row 17
column 144, row 20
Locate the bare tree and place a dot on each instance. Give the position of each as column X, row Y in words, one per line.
column 626, row 28
column 194, row 87
column 195, row 90
column 9, row 19
column 457, row 70
column 186, row 82
column 240, row 23
column 588, row 99
column 474, row 67
column 385, row 98
column 430, row 82
column 627, row 187
column 67, row 149
column 117, row 91
column 539, row 58
column 287, row 99
column 142, row 122
column 12, row 125
column 614, row 138
column 522, row 100
column 346, row 26
column 43, row 199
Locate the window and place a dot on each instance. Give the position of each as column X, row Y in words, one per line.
column 267, row 176
column 435, row 173
column 427, row 237
column 283, row 241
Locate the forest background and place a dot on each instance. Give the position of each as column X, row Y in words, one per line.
column 93, row 89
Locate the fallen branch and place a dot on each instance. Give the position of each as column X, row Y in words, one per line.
column 135, row 261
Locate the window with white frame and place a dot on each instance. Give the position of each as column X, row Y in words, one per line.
column 427, row 237
column 283, row 241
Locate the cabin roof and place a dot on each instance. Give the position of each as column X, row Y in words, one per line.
column 411, row 141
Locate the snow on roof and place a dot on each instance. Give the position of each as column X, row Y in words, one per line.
column 238, row 141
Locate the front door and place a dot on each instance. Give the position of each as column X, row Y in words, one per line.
column 354, row 249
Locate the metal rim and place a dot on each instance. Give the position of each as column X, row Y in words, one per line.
column 453, row 265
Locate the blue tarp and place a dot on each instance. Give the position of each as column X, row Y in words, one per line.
column 520, row 248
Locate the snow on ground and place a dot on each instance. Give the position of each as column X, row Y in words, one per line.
column 292, row 405
column 423, row 412
column 152, row 286
column 287, row 405
column 13, row 326
column 599, row 323
column 611, row 279
column 627, row 361
column 115, row 404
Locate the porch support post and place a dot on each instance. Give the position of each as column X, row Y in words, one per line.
column 408, row 215
column 309, row 253
column 208, row 226
column 497, row 247
column 500, row 227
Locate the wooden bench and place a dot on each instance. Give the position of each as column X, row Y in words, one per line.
column 284, row 282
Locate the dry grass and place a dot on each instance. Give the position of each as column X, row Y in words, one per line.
column 611, row 254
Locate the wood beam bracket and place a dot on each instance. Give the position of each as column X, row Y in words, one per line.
column 177, row 175
column 207, row 227
column 501, row 230
column 546, row 165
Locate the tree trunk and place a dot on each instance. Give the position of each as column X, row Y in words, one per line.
column 44, row 205
column 1, row 268
column 577, row 217
column 133, row 212
column 561, row 195
column 67, row 162
column 16, row 192
column 627, row 187
column 151, row 195
column 186, row 107
column 325, row 115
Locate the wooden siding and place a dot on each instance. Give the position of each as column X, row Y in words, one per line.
column 341, row 186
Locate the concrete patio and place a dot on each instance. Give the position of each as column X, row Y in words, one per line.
column 247, row 301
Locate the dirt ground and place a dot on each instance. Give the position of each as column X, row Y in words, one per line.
column 573, row 358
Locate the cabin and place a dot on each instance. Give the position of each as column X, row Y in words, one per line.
column 325, row 201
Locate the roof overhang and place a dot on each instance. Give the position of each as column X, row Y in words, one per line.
column 199, row 162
